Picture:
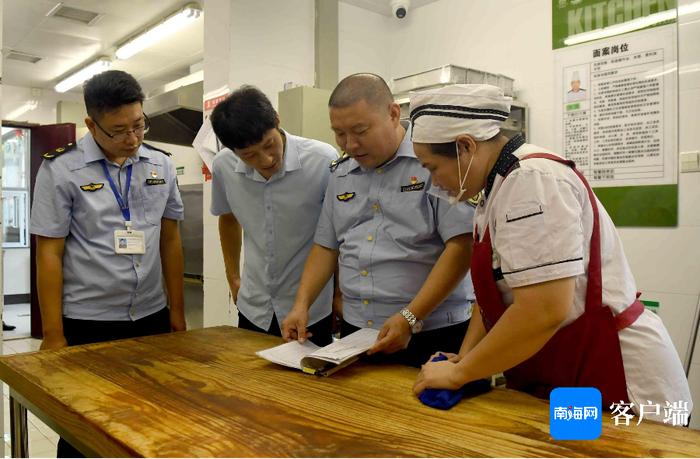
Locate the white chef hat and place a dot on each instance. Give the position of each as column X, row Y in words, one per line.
column 441, row 115
column 575, row 76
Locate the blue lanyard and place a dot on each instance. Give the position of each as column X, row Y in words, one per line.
column 122, row 205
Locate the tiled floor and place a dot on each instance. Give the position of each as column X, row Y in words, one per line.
column 42, row 440
column 17, row 315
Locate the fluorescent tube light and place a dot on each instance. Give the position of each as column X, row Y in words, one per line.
column 16, row 113
column 185, row 81
column 154, row 34
column 180, row 82
column 83, row 74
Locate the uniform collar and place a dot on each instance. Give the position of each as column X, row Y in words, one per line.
column 290, row 158
column 291, row 152
column 505, row 163
column 92, row 152
column 405, row 150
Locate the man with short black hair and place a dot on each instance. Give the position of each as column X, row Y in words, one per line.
column 402, row 253
column 105, row 214
column 271, row 184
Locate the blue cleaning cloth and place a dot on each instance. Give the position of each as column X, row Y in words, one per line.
column 444, row 399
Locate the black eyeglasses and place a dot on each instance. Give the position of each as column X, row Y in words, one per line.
column 138, row 131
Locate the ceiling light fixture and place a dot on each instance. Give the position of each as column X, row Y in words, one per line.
column 154, row 34
column 99, row 66
column 16, row 113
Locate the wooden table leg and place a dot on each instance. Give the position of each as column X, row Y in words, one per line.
column 19, row 439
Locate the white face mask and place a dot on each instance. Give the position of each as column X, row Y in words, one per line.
column 438, row 192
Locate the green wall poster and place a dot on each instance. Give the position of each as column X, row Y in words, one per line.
column 574, row 18
column 616, row 87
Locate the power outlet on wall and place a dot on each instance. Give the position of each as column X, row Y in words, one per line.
column 690, row 161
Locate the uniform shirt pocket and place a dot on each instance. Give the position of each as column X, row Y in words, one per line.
column 523, row 212
column 539, row 243
column 155, row 198
column 523, row 222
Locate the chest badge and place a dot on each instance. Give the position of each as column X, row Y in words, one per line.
column 155, row 181
column 90, row 187
column 154, row 174
column 414, row 186
column 344, row 197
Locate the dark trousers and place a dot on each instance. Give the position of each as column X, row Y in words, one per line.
column 79, row 331
column 421, row 346
column 321, row 330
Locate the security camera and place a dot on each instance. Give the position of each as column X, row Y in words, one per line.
column 400, row 8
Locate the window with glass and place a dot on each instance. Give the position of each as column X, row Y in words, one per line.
column 15, row 187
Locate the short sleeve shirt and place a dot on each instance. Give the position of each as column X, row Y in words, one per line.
column 540, row 220
column 390, row 233
column 73, row 200
column 278, row 217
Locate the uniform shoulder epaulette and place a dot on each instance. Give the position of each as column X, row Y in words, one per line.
column 337, row 162
column 166, row 153
column 53, row 154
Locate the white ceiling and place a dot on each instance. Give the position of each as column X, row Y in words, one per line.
column 384, row 6
column 65, row 45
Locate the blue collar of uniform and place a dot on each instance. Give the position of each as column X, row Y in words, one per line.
column 92, row 152
column 291, row 159
column 405, row 150
column 505, row 163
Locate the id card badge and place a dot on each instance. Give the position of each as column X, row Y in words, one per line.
column 129, row 242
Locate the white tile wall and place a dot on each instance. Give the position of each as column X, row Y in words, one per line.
column 16, row 271
column 674, row 311
column 272, row 42
column 663, row 260
column 694, row 381
column 688, row 49
column 363, row 41
column 220, row 310
column 689, row 191
column 512, row 38
column 689, row 120
column 217, row 310
column 266, row 44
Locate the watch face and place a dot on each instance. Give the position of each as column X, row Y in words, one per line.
column 418, row 326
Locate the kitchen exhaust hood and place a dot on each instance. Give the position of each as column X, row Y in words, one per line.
column 175, row 115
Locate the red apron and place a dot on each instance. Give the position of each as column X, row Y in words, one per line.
column 585, row 353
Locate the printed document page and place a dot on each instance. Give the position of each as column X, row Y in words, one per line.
column 353, row 344
column 288, row 354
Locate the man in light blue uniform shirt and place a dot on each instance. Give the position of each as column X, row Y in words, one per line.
column 271, row 184
column 402, row 253
column 106, row 214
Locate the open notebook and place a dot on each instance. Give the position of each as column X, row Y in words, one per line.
column 322, row 361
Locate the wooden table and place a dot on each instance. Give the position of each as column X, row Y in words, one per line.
column 204, row 393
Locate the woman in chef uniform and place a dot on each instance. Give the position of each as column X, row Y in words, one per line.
column 557, row 300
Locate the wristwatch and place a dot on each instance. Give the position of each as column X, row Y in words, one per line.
column 413, row 322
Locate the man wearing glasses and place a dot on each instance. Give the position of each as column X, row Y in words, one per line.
column 106, row 214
